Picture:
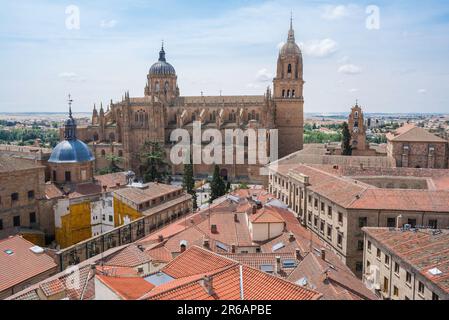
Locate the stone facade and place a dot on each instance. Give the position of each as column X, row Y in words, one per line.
column 414, row 147
column 22, row 194
column 126, row 125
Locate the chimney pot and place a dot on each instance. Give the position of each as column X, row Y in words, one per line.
column 298, row 254
column 161, row 238
column 254, row 209
column 213, row 228
column 323, row 254
column 207, row 285
column 278, row 265
column 206, row 243
column 291, row 237
column 233, row 248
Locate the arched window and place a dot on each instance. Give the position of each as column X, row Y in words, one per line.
column 257, row 116
column 289, row 70
column 193, row 116
column 288, row 93
column 283, row 93
column 157, row 87
column 95, row 136
column 293, row 93
column 253, row 115
column 136, row 117
column 112, row 137
column 167, row 86
column 120, row 153
column 103, row 153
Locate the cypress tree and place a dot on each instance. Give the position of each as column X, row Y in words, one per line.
column 217, row 186
column 346, row 140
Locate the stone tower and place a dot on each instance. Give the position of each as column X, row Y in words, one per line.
column 288, row 96
column 356, row 124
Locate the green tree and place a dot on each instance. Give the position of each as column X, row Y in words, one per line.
column 113, row 164
column 346, row 140
column 154, row 166
column 188, row 182
column 217, row 186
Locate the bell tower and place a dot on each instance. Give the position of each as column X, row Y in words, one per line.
column 288, row 96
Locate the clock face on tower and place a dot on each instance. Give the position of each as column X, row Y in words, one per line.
column 356, row 130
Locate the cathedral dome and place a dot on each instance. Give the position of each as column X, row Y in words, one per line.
column 290, row 48
column 162, row 67
column 71, row 151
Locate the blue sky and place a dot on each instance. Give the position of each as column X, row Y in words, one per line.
column 230, row 46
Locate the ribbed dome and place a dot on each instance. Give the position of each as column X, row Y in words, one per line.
column 290, row 48
column 71, row 151
column 162, row 67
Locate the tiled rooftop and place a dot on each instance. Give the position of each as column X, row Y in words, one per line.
column 422, row 249
column 18, row 263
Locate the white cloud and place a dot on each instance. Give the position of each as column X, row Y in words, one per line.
column 319, row 48
column 335, row 12
column 71, row 76
column 353, row 90
column 263, row 75
column 422, row 91
column 107, row 24
column 253, row 86
column 350, row 69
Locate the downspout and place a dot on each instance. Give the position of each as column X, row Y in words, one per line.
column 242, row 295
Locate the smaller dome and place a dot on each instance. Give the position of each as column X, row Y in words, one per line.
column 71, row 151
column 162, row 67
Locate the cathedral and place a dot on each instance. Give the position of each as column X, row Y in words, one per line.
column 124, row 127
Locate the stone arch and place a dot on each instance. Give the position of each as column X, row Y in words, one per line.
column 112, row 137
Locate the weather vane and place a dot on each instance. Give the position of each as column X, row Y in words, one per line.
column 70, row 105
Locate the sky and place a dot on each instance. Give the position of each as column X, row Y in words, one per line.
column 393, row 57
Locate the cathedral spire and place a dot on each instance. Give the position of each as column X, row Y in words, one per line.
column 162, row 53
column 70, row 124
column 291, row 32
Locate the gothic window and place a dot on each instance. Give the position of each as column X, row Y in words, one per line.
column 95, row 136
column 136, row 117
column 288, row 93
column 289, row 70
column 112, row 137
column 293, row 93
column 283, row 93
column 253, row 115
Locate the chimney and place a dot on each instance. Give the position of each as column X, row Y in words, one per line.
column 140, row 247
column 323, row 254
column 182, row 246
column 254, row 209
column 277, row 268
column 206, row 283
column 232, row 248
column 298, row 254
column 213, row 228
column 399, row 221
column 206, row 243
column 236, row 218
column 291, row 237
column 117, row 184
column 105, row 188
column 161, row 238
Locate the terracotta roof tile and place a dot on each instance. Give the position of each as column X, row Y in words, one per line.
column 112, row 180
column 130, row 256
column 127, row 288
column 52, row 191
column 22, row 264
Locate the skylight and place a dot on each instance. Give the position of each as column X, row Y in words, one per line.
column 302, row 282
column 267, row 268
column 158, row 278
column 278, row 246
column 289, row 263
column 9, row 252
column 435, row 272
column 221, row 246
